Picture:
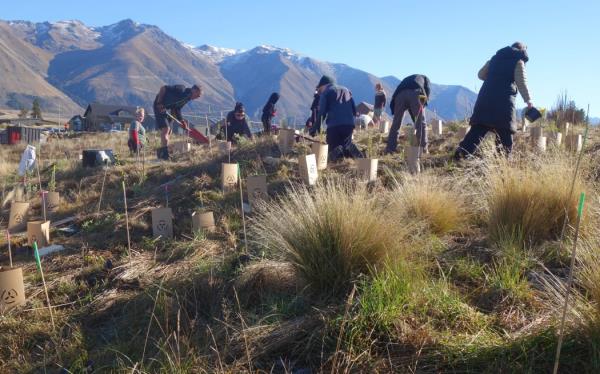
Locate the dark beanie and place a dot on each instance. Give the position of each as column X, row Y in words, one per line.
column 325, row 80
column 197, row 87
column 239, row 107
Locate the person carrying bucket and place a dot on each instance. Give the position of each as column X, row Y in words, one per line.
column 503, row 76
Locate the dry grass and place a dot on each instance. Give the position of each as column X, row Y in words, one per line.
column 431, row 201
column 529, row 197
column 331, row 233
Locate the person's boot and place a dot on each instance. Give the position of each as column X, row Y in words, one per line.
column 166, row 155
column 354, row 152
column 336, row 153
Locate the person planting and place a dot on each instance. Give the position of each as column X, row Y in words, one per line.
column 171, row 98
column 269, row 112
column 412, row 94
column 237, row 124
column 336, row 105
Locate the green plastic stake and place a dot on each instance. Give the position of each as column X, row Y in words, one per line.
column 37, row 257
column 581, row 202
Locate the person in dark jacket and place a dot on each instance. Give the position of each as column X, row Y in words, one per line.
column 337, row 110
column 237, row 124
column 314, row 111
column 269, row 112
column 171, row 98
column 494, row 110
column 411, row 94
column 380, row 101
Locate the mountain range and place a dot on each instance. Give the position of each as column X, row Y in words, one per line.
column 68, row 64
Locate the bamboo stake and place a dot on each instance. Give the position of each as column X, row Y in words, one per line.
column 9, row 250
column 126, row 221
column 569, row 284
column 39, row 266
column 102, row 188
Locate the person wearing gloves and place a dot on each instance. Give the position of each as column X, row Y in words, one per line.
column 337, row 110
column 237, row 124
column 171, row 98
column 314, row 111
column 137, row 132
column 269, row 112
column 503, row 76
column 412, row 94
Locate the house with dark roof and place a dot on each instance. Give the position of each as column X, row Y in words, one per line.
column 105, row 117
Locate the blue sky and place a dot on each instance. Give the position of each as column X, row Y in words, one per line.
column 448, row 40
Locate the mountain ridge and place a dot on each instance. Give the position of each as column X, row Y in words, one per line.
column 126, row 62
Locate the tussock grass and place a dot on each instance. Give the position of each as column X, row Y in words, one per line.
column 331, row 233
column 431, row 201
column 530, row 197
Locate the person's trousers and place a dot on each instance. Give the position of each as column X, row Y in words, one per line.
column 408, row 100
column 267, row 125
column 339, row 135
column 468, row 146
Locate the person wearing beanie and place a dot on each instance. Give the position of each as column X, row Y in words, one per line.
column 503, row 76
column 336, row 111
column 171, row 98
column 237, row 124
column 411, row 94
column 314, row 111
column 269, row 112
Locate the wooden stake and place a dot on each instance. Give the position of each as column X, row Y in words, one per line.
column 569, row 284
column 126, row 221
column 102, row 189
column 9, row 250
column 39, row 265
column 37, row 164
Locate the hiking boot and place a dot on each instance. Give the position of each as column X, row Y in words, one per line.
column 162, row 153
column 336, row 153
column 354, row 152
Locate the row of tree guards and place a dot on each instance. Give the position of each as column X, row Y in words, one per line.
column 12, row 291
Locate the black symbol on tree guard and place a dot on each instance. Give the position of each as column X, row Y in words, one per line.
column 9, row 296
column 18, row 218
column 162, row 225
column 230, row 179
column 257, row 193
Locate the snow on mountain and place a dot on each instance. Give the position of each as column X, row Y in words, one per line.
column 215, row 54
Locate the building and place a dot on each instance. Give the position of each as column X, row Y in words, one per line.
column 16, row 134
column 364, row 108
column 104, row 117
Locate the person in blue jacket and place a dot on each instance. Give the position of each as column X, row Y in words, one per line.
column 338, row 111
